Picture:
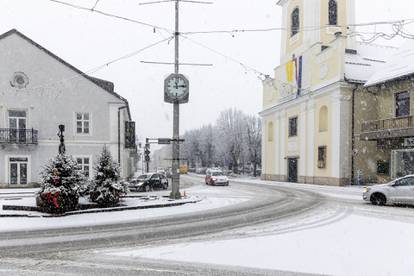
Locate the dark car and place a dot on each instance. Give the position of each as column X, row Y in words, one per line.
column 148, row 182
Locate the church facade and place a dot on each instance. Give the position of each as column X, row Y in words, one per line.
column 309, row 105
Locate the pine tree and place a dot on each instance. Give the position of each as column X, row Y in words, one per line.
column 105, row 189
column 61, row 182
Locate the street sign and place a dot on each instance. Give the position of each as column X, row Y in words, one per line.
column 164, row 141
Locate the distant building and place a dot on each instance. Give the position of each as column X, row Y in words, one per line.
column 38, row 92
column 310, row 114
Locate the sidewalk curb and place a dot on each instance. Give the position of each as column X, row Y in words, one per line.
column 91, row 211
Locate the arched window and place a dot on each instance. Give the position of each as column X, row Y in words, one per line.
column 270, row 133
column 295, row 22
column 333, row 12
column 323, row 119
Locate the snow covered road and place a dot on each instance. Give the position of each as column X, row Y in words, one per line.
column 259, row 228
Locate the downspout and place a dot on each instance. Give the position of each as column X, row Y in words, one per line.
column 353, row 136
column 119, row 133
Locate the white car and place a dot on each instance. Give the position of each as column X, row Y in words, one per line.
column 399, row 191
column 216, row 177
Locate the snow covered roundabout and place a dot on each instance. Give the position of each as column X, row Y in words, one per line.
column 252, row 227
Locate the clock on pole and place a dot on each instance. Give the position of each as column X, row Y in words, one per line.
column 176, row 89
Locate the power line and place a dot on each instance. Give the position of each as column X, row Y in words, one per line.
column 308, row 28
column 106, row 64
column 167, row 1
column 96, row 4
column 259, row 74
column 155, row 27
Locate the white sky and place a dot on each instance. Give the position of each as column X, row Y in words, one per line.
column 87, row 40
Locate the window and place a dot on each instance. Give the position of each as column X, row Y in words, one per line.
column 17, row 125
column 82, row 123
column 402, row 104
column 270, row 134
column 84, row 165
column 383, row 167
column 322, row 157
column 333, row 12
column 18, row 170
column 295, row 22
column 323, row 119
column 293, row 126
column 409, row 181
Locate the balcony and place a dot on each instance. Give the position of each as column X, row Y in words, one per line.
column 387, row 129
column 18, row 136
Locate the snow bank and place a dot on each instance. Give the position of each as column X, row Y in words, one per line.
column 356, row 245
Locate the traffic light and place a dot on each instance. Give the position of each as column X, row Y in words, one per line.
column 147, row 152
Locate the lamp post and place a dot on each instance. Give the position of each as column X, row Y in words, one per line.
column 62, row 148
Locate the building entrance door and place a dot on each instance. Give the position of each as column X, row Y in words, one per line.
column 17, row 125
column 18, row 170
column 293, row 170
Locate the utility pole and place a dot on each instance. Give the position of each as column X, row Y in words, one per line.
column 175, row 192
column 176, row 91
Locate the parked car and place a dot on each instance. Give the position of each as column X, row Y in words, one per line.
column 148, row 182
column 399, row 191
column 216, row 177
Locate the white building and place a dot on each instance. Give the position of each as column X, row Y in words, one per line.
column 38, row 92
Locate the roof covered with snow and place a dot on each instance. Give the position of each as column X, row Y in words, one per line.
column 362, row 63
column 399, row 65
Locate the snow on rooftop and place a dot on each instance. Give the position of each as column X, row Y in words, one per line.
column 361, row 66
column 400, row 64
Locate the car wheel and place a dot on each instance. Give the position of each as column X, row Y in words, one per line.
column 147, row 188
column 227, row 184
column 378, row 199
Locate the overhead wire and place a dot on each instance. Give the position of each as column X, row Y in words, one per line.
column 96, row 4
column 104, row 65
column 119, row 17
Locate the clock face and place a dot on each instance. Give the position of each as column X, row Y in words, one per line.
column 177, row 87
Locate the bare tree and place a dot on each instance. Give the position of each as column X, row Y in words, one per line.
column 253, row 138
column 230, row 125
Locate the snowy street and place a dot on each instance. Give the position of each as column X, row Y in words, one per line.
column 252, row 227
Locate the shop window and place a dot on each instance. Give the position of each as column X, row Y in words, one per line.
column 293, row 127
column 402, row 104
column 322, row 157
column 383, row 167
column 323, row 119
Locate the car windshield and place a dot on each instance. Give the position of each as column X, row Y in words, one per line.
column 143, row 177
column 217, row 173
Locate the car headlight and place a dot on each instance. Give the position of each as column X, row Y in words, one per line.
column 366, row 189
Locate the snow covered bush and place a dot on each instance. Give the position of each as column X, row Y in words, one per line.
column 61, row 182
column 105, row 188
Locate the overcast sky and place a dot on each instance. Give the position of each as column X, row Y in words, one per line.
column 87, row 40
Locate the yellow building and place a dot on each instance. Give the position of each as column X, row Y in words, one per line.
column 308, row 106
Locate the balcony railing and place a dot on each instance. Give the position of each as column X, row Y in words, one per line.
column 18, row 136
column 388, row 128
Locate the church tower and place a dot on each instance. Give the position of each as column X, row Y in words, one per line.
column 309, row 22
column 306, row 105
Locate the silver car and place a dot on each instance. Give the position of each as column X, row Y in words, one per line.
column 399, row 191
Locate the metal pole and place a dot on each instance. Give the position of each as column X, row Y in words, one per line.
column 175, row 193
